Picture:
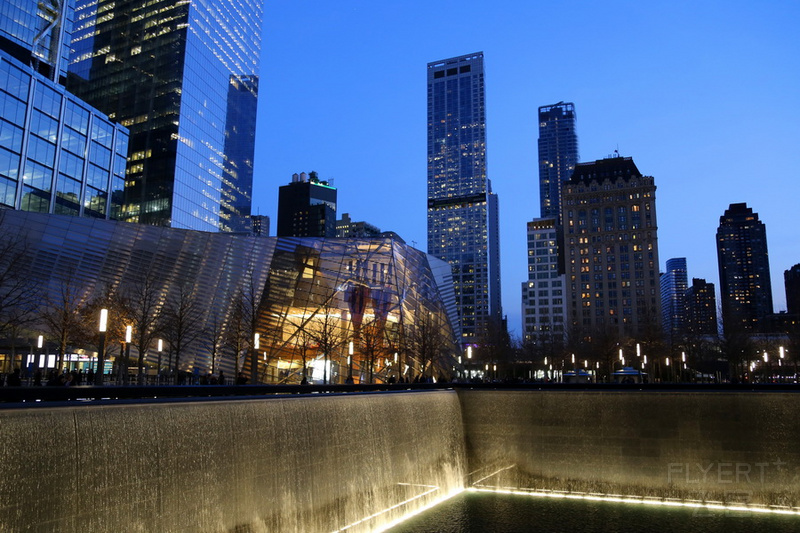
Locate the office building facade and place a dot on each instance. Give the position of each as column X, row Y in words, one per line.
column 57, row 153
column 558, row 155
column 611, row 250
column 307, row 207
column 462, row 209
column 745, row 286
column 544, row 306
column 183, row 77
column 700, row 304
column 37, row 35
column 674, row 283
column 348, row 228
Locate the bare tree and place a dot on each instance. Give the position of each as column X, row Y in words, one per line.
column 63, row 316
column 181, row 321
column 142, row 303
column 236, row 333
column 19, row 294
column 428, row 342
column 214, row 338
column 304, row 345
column 373, row 345
column 325, row 330
column 107, row 298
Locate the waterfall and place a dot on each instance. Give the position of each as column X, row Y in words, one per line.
column 290, row 464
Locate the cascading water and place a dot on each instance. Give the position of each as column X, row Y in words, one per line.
column 297, row 464
column 357, row 462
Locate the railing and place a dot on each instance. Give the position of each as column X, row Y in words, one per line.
column 25, row 396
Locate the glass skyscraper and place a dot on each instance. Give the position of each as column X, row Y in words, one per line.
column 744, row 279
column 674, row 283
column 37, row 34
column 57, row 153
column 558, row 155
column 462, row 210
column 183, row 77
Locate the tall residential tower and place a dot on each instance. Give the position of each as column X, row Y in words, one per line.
column 462, row 210
column 183, row 77
column 558, row 155
column 744, row 278
column 611, row 250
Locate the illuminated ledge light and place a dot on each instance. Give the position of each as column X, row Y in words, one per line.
column 646, row 500
column 383, row 527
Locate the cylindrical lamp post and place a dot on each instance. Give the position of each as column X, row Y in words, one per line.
column 39, row 344
column 350, row 362
column 98, row 376
column 254, row 358
column 160, row 349
column 128, row 338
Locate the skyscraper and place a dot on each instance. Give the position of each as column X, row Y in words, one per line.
column 791, row 280
column 674, row 283
column 37, row 34
column 558, row 155
column 182, row 76
column 462, row 210
column 611, row 249
column 307, row 207
column 744, row 278
column 543, row 300
column 700, row 303
column 57, row 153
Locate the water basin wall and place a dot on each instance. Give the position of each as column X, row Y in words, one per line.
column 295, row 464
column 730, row 447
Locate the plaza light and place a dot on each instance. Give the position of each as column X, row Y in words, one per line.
column 257, row 341
column 620, row 355
column 160, row 349
column 781, row 351
column 98, row 376
column 638, row 350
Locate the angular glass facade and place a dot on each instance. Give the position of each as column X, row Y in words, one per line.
column 183, row 77
column 558, row 155
column 324, row 309
column 57, row 154
column 462, row 210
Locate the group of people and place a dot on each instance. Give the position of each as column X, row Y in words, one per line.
column 53, row 378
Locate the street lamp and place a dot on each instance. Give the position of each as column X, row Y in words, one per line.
column 39, row 344
column 254, row 358
column 350, row 362
column 128, row 338
column 98, row 376
column 160, row 349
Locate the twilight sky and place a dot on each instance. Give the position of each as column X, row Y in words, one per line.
column 704, row 95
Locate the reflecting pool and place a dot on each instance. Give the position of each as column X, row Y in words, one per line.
column 486, row 512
